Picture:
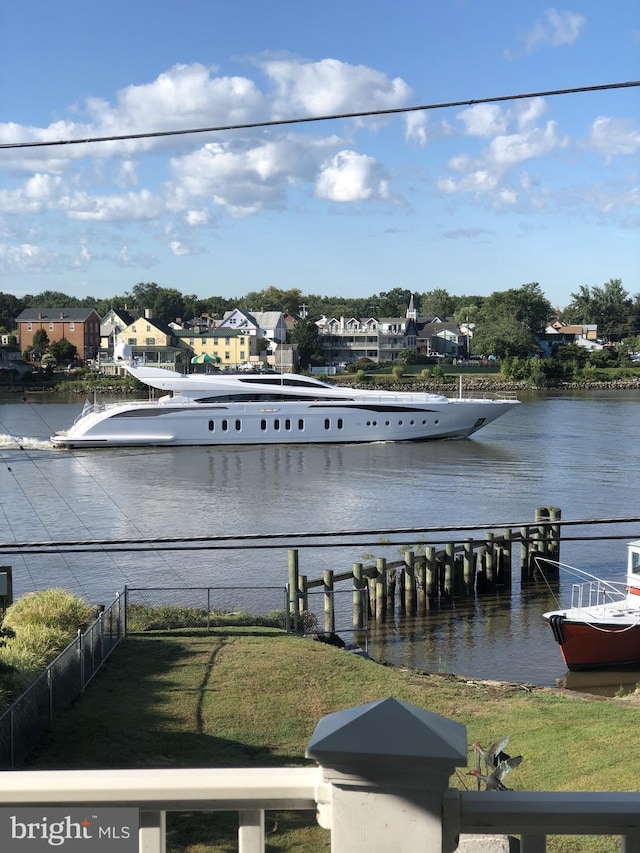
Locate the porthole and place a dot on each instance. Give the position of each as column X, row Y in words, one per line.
column 287, row 424
column 340, row 423
column 300, row 423
column 225, row 425
column 238, row 425
column 276, row 423
column 263, row 425
column 327, row 423
column 212, row 426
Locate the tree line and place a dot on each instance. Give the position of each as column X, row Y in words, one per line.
column 505, row 323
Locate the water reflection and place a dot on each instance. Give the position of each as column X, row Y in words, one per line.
column 602, row 682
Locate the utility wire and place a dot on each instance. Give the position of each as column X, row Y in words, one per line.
column 354, row 537
column 332, row 117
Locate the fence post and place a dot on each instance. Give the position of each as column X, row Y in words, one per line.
column 81, row 660
column 152, row 832
column 390, row 798
column 293, row 585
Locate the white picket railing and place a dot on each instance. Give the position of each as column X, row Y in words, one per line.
column 380, row 786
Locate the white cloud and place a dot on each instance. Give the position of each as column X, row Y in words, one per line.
column 483, row 120
column 416, row 128
column 113, row 208
column 350, row 177
column 557, row 28
column 25, row 258
column 613, row 137
column 487, row 175
column 330, row 86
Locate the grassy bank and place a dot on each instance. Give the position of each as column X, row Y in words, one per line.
column 252, row 697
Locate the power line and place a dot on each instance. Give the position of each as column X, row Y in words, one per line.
column 332, row 117
column 234, row 541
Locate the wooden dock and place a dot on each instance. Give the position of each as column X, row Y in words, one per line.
column 428, row 577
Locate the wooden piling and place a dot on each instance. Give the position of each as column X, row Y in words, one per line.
column 358, row 594
column 505, row 552
column 329, row 612
column 490, row 561
column 410, row 597
column 468, row 567
column 421, row 584
column 449, row 557
column 381, row 583
column 431, row 568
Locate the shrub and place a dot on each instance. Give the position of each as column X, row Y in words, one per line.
column 142, row 617
column 55, row 608
column 34, row 647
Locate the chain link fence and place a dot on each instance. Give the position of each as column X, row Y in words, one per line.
column 27, row 720
column 335, row 613
column 331, row 616
column 165, row 608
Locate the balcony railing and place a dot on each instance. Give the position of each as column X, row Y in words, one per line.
column 373, row 794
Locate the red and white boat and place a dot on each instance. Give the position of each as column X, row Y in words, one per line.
column 602, row 626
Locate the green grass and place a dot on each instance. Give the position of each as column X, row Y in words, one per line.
column 242, row 697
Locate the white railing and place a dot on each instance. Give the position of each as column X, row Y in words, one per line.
column 380, row 784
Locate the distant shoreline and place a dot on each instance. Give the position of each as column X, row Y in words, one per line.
column 448, row 385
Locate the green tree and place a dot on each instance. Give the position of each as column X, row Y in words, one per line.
column 63, row 351
column 40, row 341
column 609, row 307
column 305, row 335
column 508, row 322
column 10, row 307
column 407, row 356
column 274, row 299
column 437, row 303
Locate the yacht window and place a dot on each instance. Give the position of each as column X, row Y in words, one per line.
column 340, row 423
column 287, row 424
column 263, row 425
column 225, row 425
column 300, row 423
column 635, row 562
column 276, row 423
column 212, row 426
column 327, row 423
column 238, row 425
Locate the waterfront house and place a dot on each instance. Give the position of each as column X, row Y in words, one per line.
column 225, row 347
column 79, row 326
column 153, row 342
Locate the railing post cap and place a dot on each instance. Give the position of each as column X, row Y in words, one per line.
column 388, row 739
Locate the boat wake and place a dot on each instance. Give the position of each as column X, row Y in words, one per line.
column 25, row 442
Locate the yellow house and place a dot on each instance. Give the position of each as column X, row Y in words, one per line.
column 226, row 347
column 154, row 342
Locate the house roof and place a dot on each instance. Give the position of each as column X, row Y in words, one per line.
column 165, row 328
column 77, row 315
column 220, row 332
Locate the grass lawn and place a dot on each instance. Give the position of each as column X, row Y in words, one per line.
column 252, row 697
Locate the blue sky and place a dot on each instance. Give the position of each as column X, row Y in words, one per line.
column 471, row 199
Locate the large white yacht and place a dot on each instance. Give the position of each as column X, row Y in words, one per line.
column 272, row 408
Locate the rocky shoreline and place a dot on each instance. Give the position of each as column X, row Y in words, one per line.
column 449, row 386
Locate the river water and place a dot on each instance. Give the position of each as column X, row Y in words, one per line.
column 578, row 450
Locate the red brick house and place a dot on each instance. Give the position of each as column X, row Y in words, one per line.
column 80, row 326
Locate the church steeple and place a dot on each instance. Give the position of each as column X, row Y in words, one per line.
column 412, row 314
